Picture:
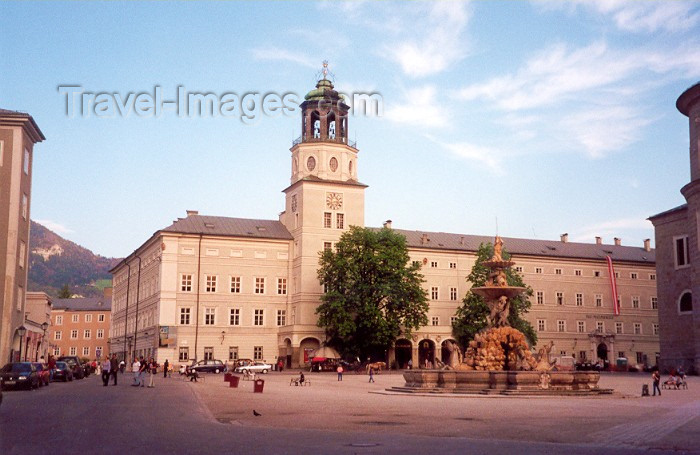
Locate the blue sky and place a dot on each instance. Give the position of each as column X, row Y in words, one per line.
column 548, row 117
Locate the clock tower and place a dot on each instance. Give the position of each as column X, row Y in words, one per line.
column 323, row 200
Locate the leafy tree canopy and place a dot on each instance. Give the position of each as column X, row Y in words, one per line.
column 471, row 316
column 64, row 293
column 372, row 294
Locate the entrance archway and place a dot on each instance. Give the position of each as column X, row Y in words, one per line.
column 426, row 353
column 288, row 353
column 403, row 350
column 445, row 352
column 602, row 352
column 306, row 350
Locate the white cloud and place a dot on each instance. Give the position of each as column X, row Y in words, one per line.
column 422, row 108
column 487, row 156
column 272, row 53
column 431, row 39
column 645, row 16
column 55, row 227
column 612, row 228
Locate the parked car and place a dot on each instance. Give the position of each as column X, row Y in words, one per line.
column 62, row 372
column 19, row 375
column 208, row 366
column 43, row 371
column 255, row 367
column 74, row 362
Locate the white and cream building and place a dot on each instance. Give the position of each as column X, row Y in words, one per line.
column 231, row 288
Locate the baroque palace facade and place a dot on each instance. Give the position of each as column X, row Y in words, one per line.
column 209, row 287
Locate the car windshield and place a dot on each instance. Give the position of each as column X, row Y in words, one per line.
column 61, row 365
column 16, row 367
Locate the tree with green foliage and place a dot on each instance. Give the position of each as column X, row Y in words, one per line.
column 471, row 316
column 64, row 293
column 373, row 294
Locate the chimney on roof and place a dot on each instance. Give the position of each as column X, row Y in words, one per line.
column 598, row 240
column 424, row 239
column 387, row 224
column 192, row 212
column 564, row 237
column 618, row 241
column 647, row 245
column 461, row 240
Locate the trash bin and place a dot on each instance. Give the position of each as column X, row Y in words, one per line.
column 233, row 381
column 258, row 386
column 227, row 377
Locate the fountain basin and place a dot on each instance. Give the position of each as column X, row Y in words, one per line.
column 495, row 292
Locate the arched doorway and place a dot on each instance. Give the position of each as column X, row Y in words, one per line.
column 288, row 353
column 306, row 350
column 403, row 350
column 426, row 353
column 445, row 352
column 602, row 352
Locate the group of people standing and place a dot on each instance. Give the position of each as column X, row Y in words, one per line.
column 140, row 368
column 109, row 366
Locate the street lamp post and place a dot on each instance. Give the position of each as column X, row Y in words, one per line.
column 21, row 331
column 44, row 326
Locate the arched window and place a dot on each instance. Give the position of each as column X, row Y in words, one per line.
column 331, row 126
column 315, row 125
column 685, row 303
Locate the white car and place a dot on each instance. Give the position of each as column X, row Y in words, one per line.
column 255, row 367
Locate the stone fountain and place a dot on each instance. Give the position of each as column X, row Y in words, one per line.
column 499, row 359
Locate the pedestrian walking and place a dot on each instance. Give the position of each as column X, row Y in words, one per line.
column 52, row 366
column 113, row 367
column 280, row 365
column 152, row 370
column 122, row 366
column 656, row 377
column 106, row 368
column 166, row 365
column 340, row 372
column 371, row 374
column 136, row 370
column 142, row 371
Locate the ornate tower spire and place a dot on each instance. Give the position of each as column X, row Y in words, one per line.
column 324, row 112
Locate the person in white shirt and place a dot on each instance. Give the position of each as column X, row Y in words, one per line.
column 136, row 368
column 106, row 369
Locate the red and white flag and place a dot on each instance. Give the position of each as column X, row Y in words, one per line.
column 613, row 286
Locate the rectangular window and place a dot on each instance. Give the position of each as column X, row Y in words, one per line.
column 235, row 285
column 453, row 293
column 681, row 251
column 209, row 316
column 582, row 355
column 655, row 328
column 211, row 283
column 433, row 264
column 340, row 221
column 186, row 283
column 434, row 293
column 652, row 276
column 88, row 318
column 637, row 328
column 208, row 353
column 327, row 246
column 73, row 350
column 22, row 253
column 618, row 328
column 100, row 318
column 56, row 351
column 598, row 300
column 233, row 353
column 578, row 272
column 635, row 302
column 518, row 269
column 596, row 273
column 59, row 320
column 560, row 298
column 234, row 316
column 25, row 165
column 25, row 206
column 259, row 317
column 73, row 334
column 281, row 317
column 416, row 264
column 57, row 335
column 259, row 285
column 579, row 299
column 581, row 326
column 453, row 319
column 654, row 303
column 74, row 318
column 541, row 325
column 633, row 275
column 640, row 357
column 561, row 326
column 435, row 320
column 86, row 351
column 185, row 316
column 100, row 333
column 281, row 286
column 453, row 265
column 212, row 252
column 538, row 269
column 600, row 326
column 257, row 352
column 557, row 271
column 327, row 220
column 540, row 297
column 621, row 354
column 184, row 354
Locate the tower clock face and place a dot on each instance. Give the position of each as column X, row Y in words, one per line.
column 294, row 203
column 334, row 201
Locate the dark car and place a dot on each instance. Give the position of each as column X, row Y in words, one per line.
column 74, row 362
column 208, row 366
column 62, row 372
column 43, row 371
column 19, row 375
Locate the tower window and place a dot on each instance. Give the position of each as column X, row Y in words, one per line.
column 333, row 164
column 681, row 251
column 340, row 221
column 327, row 220
column 311, row 163
column 685, row 304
